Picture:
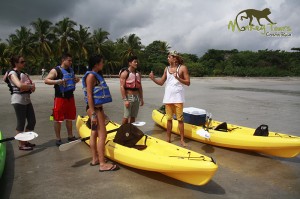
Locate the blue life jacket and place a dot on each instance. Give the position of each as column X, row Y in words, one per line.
column 101, row 93
column 70, row 80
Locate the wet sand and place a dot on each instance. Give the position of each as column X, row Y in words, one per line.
column 46, row 172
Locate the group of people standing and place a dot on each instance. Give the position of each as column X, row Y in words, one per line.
column 64, row 80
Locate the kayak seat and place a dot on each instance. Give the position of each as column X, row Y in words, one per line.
column 222, row 127
column 128, row 135
column 262, row 130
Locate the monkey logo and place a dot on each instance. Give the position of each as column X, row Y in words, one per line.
column 250, row 13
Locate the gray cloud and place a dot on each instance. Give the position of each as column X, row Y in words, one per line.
column 192, row 26
column 20, row 12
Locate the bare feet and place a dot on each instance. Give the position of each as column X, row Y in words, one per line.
column 97, row 162
column 168, row 139
column 183, row 143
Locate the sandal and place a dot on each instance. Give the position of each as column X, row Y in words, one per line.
column 28, row 144
column 25, row 148
column 114, row 167
column 58, row 142
column 70, row 139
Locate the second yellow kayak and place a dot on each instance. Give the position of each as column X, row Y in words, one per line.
column 238, row 137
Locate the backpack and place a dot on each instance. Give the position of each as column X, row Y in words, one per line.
column 262, row 130
column 128, row 135
column 6, row 79
column 125, row 68
column 121, row 71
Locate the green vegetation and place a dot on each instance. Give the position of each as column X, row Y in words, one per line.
column 43, row 44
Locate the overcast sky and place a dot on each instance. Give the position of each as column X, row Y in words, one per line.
column 188, row 26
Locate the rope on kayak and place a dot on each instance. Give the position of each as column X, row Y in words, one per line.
column 107, row 142
column 195, row 157
column 202, row 157
column 290, row 136
column 188, row 157
column 112, row 122
column 162, row 117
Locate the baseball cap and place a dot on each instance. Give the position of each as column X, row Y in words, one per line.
column 174, row 53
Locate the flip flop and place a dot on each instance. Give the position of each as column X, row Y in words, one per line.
column 28, row 144
column 114, row 167
column 25, row 148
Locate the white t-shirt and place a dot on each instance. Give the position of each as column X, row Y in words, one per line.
column 174, row 91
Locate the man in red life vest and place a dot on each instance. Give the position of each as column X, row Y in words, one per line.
column 131, row 90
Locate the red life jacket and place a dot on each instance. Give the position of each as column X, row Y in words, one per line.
column 133, row 80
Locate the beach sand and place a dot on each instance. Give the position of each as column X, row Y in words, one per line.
column 46, row 172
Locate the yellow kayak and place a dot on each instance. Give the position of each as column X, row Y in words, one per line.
column 238, row 137
column 159, row 156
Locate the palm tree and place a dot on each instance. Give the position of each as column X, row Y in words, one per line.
column 22, row 42
column 112, row 59
column 43, row 36
column 64, row 33
column 164, row 47
column 102, row 45
column 157, row 51
column 133, row 46
column 4, row 58
column 100, row 42
column 81, row 42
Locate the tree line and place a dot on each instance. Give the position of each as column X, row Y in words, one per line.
column 44, row 42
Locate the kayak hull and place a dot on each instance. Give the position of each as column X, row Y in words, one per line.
column 238, row 137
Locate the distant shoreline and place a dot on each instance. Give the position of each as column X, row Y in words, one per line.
column 38, row 77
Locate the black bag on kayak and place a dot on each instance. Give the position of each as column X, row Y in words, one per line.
column 262, row 130
column 128, row 135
